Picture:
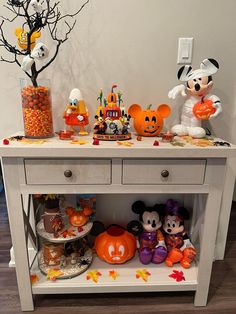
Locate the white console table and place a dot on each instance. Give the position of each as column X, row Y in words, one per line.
column 205, row 174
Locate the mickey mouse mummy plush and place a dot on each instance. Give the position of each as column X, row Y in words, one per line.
column 151, row 241
column 199, row 105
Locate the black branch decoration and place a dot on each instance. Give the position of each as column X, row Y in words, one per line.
column 37, row 16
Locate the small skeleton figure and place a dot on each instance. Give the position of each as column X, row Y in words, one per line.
column 62, row 261
column 74, row 259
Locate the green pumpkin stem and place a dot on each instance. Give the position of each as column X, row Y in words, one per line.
column 149, row 107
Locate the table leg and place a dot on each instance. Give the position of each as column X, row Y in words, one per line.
column 207, row 247
column 226, row 204
column 17, row 226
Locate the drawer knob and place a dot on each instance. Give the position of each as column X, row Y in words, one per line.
column 165, row 173
column 68, row 173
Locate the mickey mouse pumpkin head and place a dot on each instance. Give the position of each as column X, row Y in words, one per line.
column 78, row 218
column 149, row 122
column 115, row 245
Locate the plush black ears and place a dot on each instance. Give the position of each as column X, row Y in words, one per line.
column 135, row 227
column 98, row 227
column 183, row 72
column 138, row 207
column 160, row 209
column 183, row 212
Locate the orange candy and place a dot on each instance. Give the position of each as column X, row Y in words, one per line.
column 37, row 111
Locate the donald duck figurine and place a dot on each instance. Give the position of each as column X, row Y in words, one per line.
column 76, row 112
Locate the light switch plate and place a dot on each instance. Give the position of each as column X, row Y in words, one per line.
column 185, row 51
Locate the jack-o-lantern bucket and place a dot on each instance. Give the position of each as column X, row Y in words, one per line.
column 115, row 245
column 204, row 109
column 149, row 122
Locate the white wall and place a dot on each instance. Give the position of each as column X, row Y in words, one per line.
column 134, row 43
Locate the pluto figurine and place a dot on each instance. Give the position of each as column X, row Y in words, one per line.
column 22, row 38
column 76, row 112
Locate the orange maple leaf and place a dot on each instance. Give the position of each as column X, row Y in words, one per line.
column 113, row 274
column 34, row 278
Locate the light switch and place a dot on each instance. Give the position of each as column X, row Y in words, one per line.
column 185, row 51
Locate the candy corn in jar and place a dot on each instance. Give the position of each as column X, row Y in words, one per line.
column 37, row 109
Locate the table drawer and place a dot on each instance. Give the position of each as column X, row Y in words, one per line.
column 68, row 171
column 163, row 171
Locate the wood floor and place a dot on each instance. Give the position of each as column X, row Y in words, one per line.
column 222, row 295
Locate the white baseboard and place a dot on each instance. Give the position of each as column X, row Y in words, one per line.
column 31, row 252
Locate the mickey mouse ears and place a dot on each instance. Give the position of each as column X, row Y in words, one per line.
column 207, row 67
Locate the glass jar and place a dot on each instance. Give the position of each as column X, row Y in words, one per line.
column 37, row 109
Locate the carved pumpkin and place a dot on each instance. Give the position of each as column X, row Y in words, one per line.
column 149, row 122
column 78, row 218
column 115, row 245
column 204, row 109
column 112, row 98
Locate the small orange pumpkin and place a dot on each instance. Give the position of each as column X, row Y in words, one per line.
column 112, row 98
column 204, row 109
column 115, row 245
column 149, row 122
column 78, row 218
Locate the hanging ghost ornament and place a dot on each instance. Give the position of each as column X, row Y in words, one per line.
column 39, row 52
column 27, row 63
column 37, row 6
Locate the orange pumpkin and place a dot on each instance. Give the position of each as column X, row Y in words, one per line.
column 149, row 122
column 115, row 245
column 112, row 98
column 78, row 218
column 204, row 109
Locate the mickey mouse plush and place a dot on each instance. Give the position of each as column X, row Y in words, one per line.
column 179, row 247
column 152, row 244
column 198, row 85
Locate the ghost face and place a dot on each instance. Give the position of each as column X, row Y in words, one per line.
column 200, row 86
column 37, row 5
column 40, row 52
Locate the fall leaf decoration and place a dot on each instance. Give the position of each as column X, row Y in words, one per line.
column 29, row 141
column 203, row 142
column 79, row 142
column 127, row 144
column 68, row 233
column 113, row 274
column 142, row 274
column 53, row 274
column 177, row 275
column 93, row 275
column 34, row 278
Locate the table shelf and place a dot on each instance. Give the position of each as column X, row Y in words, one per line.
column 126, row 281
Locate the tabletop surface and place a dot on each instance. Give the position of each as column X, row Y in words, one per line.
column 56, row 148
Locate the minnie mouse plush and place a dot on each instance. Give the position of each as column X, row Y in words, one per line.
column 152, row 244
column 179, row 247
column 198, row 85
